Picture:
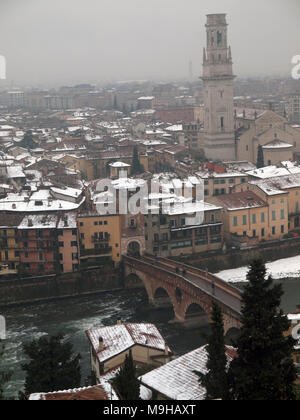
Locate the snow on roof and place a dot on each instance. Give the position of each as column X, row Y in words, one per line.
column 146, row 98
column 273, row 171
column 15, row 171
column 103, row 391
column 205, row 174
column 241, row 200
column 119, row 338
column 176, row 127
column 43, row 221
column 294, row 317
column 278, row 185
column 277, row 144
column 68, row 221
column 176, row 380
column 37, row 202
column 67, row 191
column 119, row 165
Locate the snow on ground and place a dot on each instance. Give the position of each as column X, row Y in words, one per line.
column 286, row 268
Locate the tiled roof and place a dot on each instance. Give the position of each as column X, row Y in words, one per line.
column 94, row 393
column 241, row 200
column 119, row 338
column 176, row 380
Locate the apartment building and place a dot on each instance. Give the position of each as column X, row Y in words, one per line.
column 9, row 246
column 99, row 238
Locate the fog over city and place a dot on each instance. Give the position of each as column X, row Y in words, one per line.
column 100, row 40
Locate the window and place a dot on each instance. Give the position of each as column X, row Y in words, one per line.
column 206, row 192
column 263, row 232
column 61, row 244
column 254, row 233
column 281, row 214
column 40, row 256
column 262, row 217
column 273, row 201
column 105, row 222
column 82, row 235
column 95, row 223
column 244, row 220
column 282, row 228
column 61, row 257
column 222, row 122
column 273, row 215
column 81, row 224
column 74, row 256
column 235, row 221
column 74, row 232
column 297, row 207
column 273, row 230
column 253, row 219
column 74, row 243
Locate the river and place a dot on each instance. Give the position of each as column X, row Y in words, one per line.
column 74, row 316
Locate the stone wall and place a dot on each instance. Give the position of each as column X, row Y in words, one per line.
column 28, row 290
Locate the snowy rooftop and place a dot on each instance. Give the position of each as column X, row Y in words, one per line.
column 286, row 168
column 176, row 380
column 277, row 144
column 44, row 221
column 119, row 338
column 103, row 391
column 241, row 200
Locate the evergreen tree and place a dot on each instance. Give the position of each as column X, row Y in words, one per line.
column 136, row 168
column 52, row 366
column 264, row 369
column 260, row 157
column 5, row 376
column 28, row 142
column 126, row 381
column 215, row 381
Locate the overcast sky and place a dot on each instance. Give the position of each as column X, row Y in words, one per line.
column 58, row 42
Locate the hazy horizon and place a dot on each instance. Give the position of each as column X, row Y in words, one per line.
column 99, row 41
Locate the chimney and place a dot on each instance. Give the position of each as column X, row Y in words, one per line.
column 101, row 344
column 119, row 322
column 166, row 349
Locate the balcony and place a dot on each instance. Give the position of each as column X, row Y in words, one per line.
column 94, row 252
column 97, row 240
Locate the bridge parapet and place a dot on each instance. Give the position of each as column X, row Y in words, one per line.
column 156, row 276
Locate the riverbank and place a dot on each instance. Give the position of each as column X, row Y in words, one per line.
column 23, row 291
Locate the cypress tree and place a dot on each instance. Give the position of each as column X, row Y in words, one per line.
column 264, row 369
column 28, row 142
column 136, row 168
column 260, row 157
column 51, row 366
column 5, row 376
column 126, row 381
column 215, row 381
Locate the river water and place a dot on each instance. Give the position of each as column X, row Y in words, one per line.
column 74, row 316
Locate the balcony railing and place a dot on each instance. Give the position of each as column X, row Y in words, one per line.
column 95, row 251
column 97, row 240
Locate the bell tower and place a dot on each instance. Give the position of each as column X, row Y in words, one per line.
column 219, row 136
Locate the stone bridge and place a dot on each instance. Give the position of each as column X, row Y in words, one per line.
column 189, row 290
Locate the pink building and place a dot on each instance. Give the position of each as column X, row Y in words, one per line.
column 68, row 243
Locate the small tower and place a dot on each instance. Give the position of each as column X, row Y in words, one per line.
column 219, row 138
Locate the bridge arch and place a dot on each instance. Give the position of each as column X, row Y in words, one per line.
column 196, row 315
column 134, row 248
column 161, row 298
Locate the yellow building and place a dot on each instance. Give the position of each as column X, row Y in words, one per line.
column 281, row 188
column 251, row 218
column 9, row 248
column 100, row 237
column 110, row 345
